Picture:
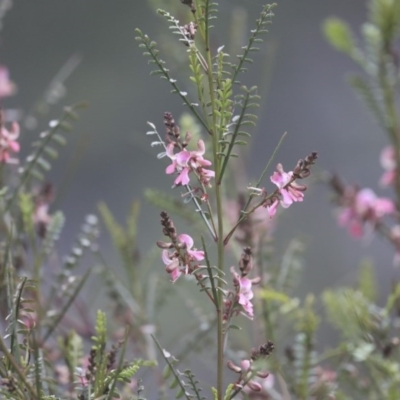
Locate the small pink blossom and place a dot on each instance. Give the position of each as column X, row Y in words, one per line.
column 9, row 144
column 289, row 190
column 171, row 262
column 364, row 207
column 187, row 161
column 265, row 386
column 272, row 208
column 388, row 163
column 7, row 88
column 245, row 364
column 195, row 254
column 245, row 293
column 179, row 262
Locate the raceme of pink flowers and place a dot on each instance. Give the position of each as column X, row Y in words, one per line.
column 289, row 190
column 186, row 162
column 177, row 263
column 7, row 88
column 388, row 162
column 364, row 207
column 245, row 292
column 9, row 144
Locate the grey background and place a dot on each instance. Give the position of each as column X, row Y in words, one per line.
column 307, row 97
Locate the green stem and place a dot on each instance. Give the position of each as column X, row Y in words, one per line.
column 218, row 195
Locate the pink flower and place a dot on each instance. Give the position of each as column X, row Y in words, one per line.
column 290, row 191
column 171, row 262
column 388, row 162
column 245, row 293
column 8, row 144
column 186, row 161
column 179, row 262
column 272, row 208
column 264, row 386
column 195, row 254
column 364, row 207
column 7, row 88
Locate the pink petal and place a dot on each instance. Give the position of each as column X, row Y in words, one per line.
column 272, row 208
column 170, row 151
column 201, row 148
column 182, row 158
column 187, row 239
column 175, row 274
column 14, row 146
column 183, row 177
column 198, row 255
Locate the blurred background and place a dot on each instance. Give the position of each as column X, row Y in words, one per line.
column 301, row 78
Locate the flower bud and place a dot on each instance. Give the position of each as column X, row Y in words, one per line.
column 233, row 367
column 164, row 245
column 254, row 386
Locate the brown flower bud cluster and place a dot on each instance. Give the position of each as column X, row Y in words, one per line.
column 173, row 132
column 250, row 377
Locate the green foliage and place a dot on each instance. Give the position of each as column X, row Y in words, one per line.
column 339, row 35
column 367, row 280
column 348, row 310
column 124, row 240
column 254, row 40
column 151, row 51
column 38, row 162
column 385, row 15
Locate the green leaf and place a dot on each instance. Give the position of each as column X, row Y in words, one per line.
column 367, row 280
column 339, row 35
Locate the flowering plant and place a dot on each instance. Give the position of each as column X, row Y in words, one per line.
column 217, row 255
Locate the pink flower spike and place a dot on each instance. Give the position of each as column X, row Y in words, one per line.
column 7, row 88
column 245, row 292
column 363, row 208
column 8, row 144
column 388, row 158
column 388, row 163
column 186, row 161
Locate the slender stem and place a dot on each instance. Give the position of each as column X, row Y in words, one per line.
column 218, row 195
column 246, row 214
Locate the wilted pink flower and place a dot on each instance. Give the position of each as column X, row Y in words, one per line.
column 388, row 162
column 7, row 88
column 187, row 161
column 364, row 207
column 178, row 263
column 9, row 144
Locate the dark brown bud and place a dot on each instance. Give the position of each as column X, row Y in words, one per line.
column 171, row 127
column 245, row 264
